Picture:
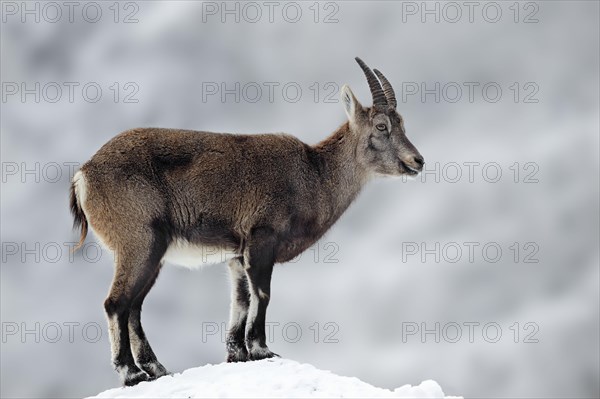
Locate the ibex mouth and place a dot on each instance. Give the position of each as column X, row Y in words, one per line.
column 407, row 169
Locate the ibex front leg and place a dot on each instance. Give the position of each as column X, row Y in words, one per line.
column 259, row 267
column 240, row 301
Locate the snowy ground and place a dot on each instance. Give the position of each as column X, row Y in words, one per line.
column 266, row 379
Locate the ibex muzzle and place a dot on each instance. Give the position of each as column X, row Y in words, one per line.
column 179, row 195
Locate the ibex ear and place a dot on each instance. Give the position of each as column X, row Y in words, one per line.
column 351, row 104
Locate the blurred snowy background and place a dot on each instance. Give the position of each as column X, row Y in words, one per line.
column 365, row 301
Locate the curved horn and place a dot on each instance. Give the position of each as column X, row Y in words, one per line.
column 387, row 88
column 376, row 90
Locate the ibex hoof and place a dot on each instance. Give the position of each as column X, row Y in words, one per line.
column 155, row 370
column 236, row 351
column 134, row 378
column 260, row 353
column 237, row 355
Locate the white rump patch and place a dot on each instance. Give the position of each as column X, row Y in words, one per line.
column 194, row 256
column 81, row 192
column 80, row 188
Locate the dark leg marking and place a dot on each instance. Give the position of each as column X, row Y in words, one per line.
column 259, row 268
column 140, row 347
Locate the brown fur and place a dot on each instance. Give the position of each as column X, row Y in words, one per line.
column 215, row 188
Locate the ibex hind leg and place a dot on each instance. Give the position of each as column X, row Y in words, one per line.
column 136, row 265
column 142, row 352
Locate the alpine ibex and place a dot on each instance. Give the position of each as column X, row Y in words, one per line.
column 155, row 194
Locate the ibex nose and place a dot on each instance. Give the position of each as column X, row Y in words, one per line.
column 418, row 160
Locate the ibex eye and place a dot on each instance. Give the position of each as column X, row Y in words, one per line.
column 381, row 127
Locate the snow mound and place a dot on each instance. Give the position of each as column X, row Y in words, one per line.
column 266, row 379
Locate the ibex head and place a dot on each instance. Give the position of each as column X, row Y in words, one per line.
column 383, row 146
